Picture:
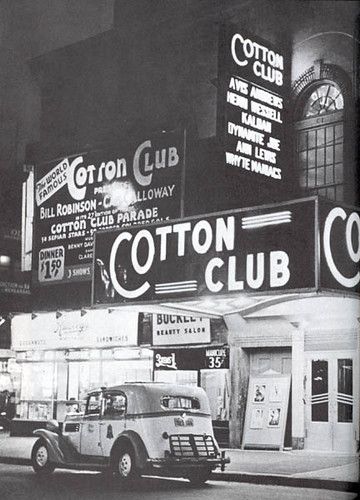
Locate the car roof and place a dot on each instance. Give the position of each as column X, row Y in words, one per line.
column 146, row 396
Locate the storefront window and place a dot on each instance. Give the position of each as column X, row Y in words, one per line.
column 216, row 384
column 83, row 377
column 62, row 381
column 37, row 381
column 37, row 390
column 345, row 390
column 319, row 391
column 56, row 388
column 186, row 377
column 118, row 372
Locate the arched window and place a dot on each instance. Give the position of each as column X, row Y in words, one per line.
column 319, row 141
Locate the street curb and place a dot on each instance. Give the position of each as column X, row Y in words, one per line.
column 299, row 482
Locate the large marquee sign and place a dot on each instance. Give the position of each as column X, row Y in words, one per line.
column 268, row 249
column 109, row 188
column 253, row 97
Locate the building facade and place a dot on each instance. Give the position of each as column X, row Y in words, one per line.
column 160, row 109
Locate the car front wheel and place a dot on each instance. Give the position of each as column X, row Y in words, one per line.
column 40, row 459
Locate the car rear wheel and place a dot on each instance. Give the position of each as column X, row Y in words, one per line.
column 125, row 466
column 40, row 459
column 199, row 477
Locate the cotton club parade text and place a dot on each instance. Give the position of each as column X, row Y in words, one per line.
column 220, row 244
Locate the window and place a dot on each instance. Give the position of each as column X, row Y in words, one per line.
column 345, row 390
column 319, row 391
column 115, row 405
column 180, row 403
column 326, row 98
column 320, row 141
column 93, row 404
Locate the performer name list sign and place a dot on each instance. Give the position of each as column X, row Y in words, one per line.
column 254, row 107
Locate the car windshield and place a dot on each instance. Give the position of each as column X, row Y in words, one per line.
column 180, row 403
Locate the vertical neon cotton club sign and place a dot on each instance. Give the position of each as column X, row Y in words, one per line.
column 253, row 99
column 247, row 250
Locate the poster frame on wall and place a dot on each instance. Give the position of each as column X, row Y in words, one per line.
column 266, row 411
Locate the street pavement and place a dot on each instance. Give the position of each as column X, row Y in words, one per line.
column 21, row 483
column 319, row 470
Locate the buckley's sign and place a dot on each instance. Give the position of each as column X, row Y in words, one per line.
column 265, row 249
column 171, row 329
column 118, row 187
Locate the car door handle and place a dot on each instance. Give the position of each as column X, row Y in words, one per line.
column 102, row 423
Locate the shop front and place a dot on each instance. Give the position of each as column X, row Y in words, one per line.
column 187, row 350
column 63, row 355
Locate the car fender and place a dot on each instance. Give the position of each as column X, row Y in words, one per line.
column 141, row 454
column 52, row 439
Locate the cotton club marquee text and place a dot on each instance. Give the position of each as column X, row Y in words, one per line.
column 228, row 254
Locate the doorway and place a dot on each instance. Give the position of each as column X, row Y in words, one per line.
column 330, row 408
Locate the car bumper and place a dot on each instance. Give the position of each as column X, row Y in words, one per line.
column 172, row 462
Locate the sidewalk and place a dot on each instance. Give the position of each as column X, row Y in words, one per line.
column 336, row 471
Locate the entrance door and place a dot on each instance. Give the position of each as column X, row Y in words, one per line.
column 330, row 402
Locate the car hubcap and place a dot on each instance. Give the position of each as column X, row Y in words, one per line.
column 42, row 456
column 125, row 465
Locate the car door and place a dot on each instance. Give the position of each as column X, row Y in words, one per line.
column 113, row 420
column 90, row 427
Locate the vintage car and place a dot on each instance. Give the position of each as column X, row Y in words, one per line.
column 134, row 429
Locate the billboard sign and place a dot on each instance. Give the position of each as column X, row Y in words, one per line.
column 74, row 330
column 253, row 97
column 265, row 249
column 140, row 182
